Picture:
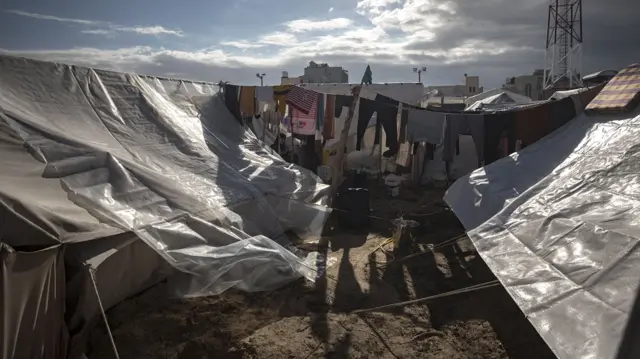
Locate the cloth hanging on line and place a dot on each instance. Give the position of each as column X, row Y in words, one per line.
column 264, row 93
column 247, row 100
column 340, row 102
column 320, row 100
column 279, row 96
column 457, row 124
column 532, row 124
column 404, row 120
column 425, row 126
column 329, row 118
column 387, row 117
column 497, row 127
column 302, row 99
column 366, row 108
column 304, row 123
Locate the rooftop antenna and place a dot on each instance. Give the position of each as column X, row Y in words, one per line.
column 563, row 60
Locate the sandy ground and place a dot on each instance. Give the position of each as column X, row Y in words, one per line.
column 315, row 320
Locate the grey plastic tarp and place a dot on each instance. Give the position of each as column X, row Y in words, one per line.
column 90, row 153
column 32, row 303
column 558, row 225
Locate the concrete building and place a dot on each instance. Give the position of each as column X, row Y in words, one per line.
column 470, row 87
column 286, row 80
column 527, row 85
column 318, row 74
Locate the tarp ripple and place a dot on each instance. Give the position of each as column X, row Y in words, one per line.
column 164, row 159
column 558, row 225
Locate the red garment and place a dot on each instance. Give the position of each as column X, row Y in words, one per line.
column 302, row 99
column 329, row 118
column 304, row 123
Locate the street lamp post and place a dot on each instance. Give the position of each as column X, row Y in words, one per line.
column 261, row 77
column 419, row 71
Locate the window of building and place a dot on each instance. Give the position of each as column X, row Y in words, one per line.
column 472, row 89
column 527, row 90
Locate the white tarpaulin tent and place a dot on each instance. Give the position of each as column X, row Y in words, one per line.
column 557, row 223
column 501, row 97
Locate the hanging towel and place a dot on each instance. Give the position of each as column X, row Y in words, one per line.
column 264, row 93
column 279, row 95
column 303, row 99
column 247, row 100
column 304, row 123
column 329, row 118
column 425, row 126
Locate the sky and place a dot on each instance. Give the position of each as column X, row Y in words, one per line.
column 232, row 40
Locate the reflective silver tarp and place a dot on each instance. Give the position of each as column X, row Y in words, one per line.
column 89, row 153
column 558, row 225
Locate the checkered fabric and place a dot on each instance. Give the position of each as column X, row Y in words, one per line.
column 302, row 99
column 621, row 94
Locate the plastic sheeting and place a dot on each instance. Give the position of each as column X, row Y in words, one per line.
column 32, row 303
column 558, row 225
column 164, row 159
column 122, row 266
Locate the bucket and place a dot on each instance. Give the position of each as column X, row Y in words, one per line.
column 393, row 184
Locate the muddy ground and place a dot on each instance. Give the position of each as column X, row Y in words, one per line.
column 315, row 320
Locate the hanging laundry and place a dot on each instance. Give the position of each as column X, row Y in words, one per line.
column 304, row 123
column 562, row 111
column 496, row 127
column 404, row 121
column 531, row 124
column 247, row 100
column 329, row 118
column 320, row 112
column 425, row 126
column 264, row 93
column 387, row 110
column 457, row 124
column 231, row 100
column 302, row 99
column 366, row 108
column 342, row 101
column 279, row 95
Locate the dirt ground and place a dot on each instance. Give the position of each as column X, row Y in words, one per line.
column 315, row 320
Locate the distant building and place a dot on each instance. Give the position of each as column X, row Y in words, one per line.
column 470, row 87
column 286, row 80
column 317, row 74
column 527, row 85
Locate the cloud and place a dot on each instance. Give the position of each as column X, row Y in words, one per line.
column 243, row 45
column 101, row 27
column 494, row 39
column 304, row 25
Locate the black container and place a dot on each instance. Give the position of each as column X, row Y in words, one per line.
column 353, row 208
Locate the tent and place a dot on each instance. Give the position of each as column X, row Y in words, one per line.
column 112, row 181
column 503, row 96
column 557, row 225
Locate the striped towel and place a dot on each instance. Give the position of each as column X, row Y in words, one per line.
column 302, row 99
column 621, row 94
column 304, row 123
